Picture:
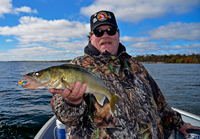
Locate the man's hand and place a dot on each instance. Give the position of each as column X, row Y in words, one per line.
column 185, row 127
column 74, row 96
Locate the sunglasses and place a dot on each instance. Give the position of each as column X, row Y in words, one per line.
column 100, row 32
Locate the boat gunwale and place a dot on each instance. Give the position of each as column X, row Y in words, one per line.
column 45, row 127
column 182, row 112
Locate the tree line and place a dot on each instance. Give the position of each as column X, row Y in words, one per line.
column 177, row 58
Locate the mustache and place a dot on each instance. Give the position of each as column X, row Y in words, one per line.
column 105, row 40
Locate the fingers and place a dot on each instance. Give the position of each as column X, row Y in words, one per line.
column 185, row 134
column 197, row 128
column 55, row 91
column 81, row 92
column 185, row 127
column 78, row 90
column 193, row 127
column 189, row 126
column 83, row 89
column 75, row 90
column 67, row 91
column 75, row 95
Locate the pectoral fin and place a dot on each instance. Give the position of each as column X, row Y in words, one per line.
column 56, row 83
column 66, row 84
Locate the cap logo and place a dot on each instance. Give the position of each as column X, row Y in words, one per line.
column 94, row 20
column 102, row 16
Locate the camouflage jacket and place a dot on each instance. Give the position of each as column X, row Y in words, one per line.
column 142, row 111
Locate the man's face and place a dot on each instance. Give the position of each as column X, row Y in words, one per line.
column 106, row 42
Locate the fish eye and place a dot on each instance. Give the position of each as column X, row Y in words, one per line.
column 37, row 74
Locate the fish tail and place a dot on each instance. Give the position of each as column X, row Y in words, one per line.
column 113, row 101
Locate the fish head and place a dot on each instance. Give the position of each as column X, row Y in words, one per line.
column 37, row 80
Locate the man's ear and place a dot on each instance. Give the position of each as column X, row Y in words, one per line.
column 90, row 37
column 118, row 33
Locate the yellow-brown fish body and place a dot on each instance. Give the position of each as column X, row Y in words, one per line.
column 59, row 77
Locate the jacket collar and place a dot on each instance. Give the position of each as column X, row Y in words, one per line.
column 92, row 51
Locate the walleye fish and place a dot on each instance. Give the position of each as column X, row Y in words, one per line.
column 59, row 77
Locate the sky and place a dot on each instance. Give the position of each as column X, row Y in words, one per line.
column 49, row 30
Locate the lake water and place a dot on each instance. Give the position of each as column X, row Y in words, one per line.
column 23, row 112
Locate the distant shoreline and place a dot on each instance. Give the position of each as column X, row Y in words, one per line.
column 151, row 58
column 150, row 62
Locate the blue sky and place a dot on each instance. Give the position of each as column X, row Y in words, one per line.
column 57, row 29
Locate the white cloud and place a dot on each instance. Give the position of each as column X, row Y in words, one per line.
column 145, row 45
column 9, row 40
column 41, row 39
column 188, row 51
column 75, row 45
column 187, row 46
column 143, row 48
column 170, row 32
column 24, row 9
column 33, row 29
column 137, row 10
column 175, row 31
column 165, row 43
column 183, row 49
column 154, row 48
column 34, row 53
column 134, row 39
column 29, row 45
column 6, row 7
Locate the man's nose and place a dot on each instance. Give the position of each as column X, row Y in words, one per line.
column 105, row 34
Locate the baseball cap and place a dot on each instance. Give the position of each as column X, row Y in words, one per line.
column 102, row 18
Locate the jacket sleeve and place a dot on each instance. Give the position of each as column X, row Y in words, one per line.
column 66, row 112
column 170, row 119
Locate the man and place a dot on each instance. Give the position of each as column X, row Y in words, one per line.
column 142, row 111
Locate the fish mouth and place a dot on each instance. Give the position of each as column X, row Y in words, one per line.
column 32, row 83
